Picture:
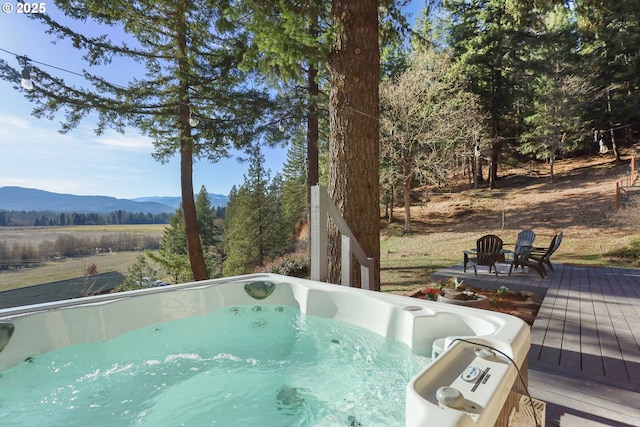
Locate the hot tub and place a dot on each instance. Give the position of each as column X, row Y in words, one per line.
column 475, row 361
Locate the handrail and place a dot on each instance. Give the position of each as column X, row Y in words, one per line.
column 322, row 207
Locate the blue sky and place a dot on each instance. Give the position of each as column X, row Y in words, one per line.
column 34, row 154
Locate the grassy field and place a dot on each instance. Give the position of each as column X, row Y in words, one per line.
column 68, row 268
column 407, row 262
column 37, row 235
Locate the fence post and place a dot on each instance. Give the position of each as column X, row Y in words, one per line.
column 617, row 208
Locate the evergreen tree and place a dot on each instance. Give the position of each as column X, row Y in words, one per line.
column 174, row 239
column 191, row 54
column 290, row 45
column 220, row 212
column 279, row 232
column 173, row 253
column 209, row 232
column 609, row 35
column 294, row 191
column 491, row 40
column 255, row 227
column 239, row 223
column 246, row 220
column 140, row 275
column 561, row 94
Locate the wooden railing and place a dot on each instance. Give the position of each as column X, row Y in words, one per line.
column 322, row 207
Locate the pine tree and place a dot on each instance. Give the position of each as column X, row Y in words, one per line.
column 290, row 45
column 279, row 232
column 140, row 275
column 556, row 117
column 239, row 225
column 490, row 40
column 255, row 228
column 294, row 191
column 209, row 232
column 173, row 253
column 191, row 54
column 609, row 35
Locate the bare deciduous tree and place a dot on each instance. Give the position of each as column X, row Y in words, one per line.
column 426, row 117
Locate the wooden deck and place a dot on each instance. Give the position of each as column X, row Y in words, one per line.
column 584, row 360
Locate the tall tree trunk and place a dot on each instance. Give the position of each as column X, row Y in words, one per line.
column 354, row 63
column 552, row 161
column 493, row 167
column 313, row 127
column 194, row 246
column 391, row 201
column 407, row 203
column 496, row 101
column 614, row 146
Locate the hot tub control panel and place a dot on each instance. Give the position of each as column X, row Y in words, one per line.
column 468, row 380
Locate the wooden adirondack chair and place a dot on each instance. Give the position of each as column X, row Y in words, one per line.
column 488, row 252
column 522, row 258
column 526, row 238
column 519, row 256
column 543, row 255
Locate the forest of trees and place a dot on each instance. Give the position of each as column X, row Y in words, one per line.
column 369, row 106
column 50, row 218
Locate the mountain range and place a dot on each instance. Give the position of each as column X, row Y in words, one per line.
column 29, row 199
column 174, row 202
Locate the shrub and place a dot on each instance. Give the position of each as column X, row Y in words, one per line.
column 294, row 264
column 629, row 254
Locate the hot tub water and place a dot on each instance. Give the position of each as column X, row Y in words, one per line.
column 239, row 365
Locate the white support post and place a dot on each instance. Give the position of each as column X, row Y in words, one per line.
column 321, row 208
column 345, row 257
column 318, row 235
column 365, row 279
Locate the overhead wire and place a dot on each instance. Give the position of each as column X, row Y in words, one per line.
column 26, row 58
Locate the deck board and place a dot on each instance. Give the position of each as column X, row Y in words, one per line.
column 584, row 360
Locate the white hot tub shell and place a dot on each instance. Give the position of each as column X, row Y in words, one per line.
column 473, row 381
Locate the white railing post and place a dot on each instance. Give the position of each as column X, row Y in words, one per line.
column 345, row 258
column 321, row 208
column 318, row 234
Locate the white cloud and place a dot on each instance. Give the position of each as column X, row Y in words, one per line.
column 126, row 141
column 54, row 186
column 13, row 121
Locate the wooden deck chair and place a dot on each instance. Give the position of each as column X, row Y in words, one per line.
column 523, row 246
column 543, row 255
column 526, row 238
column 488, row 252
column 522, row 258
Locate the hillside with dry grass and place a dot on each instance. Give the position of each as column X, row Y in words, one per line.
column 580, row 203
